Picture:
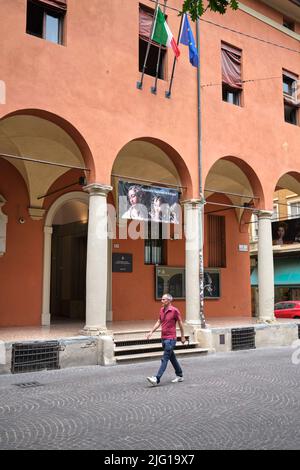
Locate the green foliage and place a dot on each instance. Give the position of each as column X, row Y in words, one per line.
column 196, row 7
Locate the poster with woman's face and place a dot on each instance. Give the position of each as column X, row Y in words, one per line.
column 286, row 231
column 148, row 203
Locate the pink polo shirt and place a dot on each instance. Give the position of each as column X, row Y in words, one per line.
column 168, row 321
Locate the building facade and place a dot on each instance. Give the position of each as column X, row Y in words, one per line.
column 75, row 127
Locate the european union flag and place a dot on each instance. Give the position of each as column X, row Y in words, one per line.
column 187, row 39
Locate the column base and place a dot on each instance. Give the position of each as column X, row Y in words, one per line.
column 95, row 331
column 196, row 323
column 267, row 320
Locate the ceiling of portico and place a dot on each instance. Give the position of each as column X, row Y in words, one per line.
column 37, row 138
column 227, row 177
column 289, row 182
column 145, row 161
column 71, row 211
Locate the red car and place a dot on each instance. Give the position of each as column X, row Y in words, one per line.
column 287, row 309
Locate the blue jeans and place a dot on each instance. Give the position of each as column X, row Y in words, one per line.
column 169, row 355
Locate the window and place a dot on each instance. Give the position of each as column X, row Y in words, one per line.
column 216, row 241
column 294, row 209
column 154, row 245
column 231, row 74
column 45, row 19
column 169, row 279
column 288, row 23
column 145, row 25
column 275, row 214
column 290, row 100
column 254, row 227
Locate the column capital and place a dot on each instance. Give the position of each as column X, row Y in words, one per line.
column 95, row 331
column 36, row 213
column 97, row 189
column 265, row 214
column 193, row 202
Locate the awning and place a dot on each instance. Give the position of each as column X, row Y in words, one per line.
column 286, row 272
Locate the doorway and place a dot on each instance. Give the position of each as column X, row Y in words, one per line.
column 68, row 263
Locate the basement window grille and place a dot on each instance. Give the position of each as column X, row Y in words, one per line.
column 242, row 338
column 31, row 357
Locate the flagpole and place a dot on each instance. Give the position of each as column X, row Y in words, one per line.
column 139, row 84
column 202, row 200
column 154, row 88
column 168, row 93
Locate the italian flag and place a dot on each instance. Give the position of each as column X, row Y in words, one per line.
column 162, row 33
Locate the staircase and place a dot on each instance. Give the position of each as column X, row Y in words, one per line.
column 133, row 346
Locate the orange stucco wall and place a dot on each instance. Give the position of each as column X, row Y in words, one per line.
column 90, row 83
column 255, row 132
column 235, row 288
column 134, row 293
column 21, row 265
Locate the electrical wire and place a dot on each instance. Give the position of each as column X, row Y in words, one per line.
column 237, row 32
column 243, row 81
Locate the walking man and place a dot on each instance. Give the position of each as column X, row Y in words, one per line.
column 168, row 316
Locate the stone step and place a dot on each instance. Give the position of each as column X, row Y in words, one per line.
column 138, row 347
column 138, row 334
column 130, row 341
column 153, row 355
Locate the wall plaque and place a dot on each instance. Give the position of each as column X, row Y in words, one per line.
column 122, row 263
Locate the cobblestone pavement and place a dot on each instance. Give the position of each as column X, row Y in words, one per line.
column 237, row 400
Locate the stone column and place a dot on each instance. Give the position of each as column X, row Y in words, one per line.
column 265, row 267
column 46, row 276
column 193, row 244
column 96, row 270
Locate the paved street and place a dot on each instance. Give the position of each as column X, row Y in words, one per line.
column 237, row 400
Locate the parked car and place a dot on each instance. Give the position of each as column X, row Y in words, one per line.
column 287, row 309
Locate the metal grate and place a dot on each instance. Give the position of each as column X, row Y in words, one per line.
column 30, row 357
column 242, row 338
column 299, row 330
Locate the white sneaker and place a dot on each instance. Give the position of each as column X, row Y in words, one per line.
column 153, row 381
column 177, row 379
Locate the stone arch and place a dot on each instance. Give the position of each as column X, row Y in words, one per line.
column 168, row 167
column 236, row 182
column 48, row 138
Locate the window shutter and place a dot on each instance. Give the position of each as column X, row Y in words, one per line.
column 216, row 241
column 231, row 66
column 60, row 5
column 145, row 25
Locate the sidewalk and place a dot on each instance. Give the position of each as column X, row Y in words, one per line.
column 70, row 329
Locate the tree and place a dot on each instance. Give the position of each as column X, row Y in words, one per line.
column 196, row 8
